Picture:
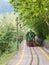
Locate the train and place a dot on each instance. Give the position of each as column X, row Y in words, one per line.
column 30, row 39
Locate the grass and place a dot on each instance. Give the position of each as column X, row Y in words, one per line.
column 5, row 57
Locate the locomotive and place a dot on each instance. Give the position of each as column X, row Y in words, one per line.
column 30, row 39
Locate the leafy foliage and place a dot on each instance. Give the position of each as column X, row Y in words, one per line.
column 34, row 14
column 7, row 32
column 47, row 38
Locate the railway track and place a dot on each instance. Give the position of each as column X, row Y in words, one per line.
column 34, row 57
column 31, row 56
column 37, row 56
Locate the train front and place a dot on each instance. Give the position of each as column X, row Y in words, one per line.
column 30, row 39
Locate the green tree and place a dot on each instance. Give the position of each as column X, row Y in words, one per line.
column 34, row 14
column 7, row 32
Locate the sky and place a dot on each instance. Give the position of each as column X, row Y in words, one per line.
column 5, row 7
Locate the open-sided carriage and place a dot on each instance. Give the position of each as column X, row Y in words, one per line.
column 30, row 39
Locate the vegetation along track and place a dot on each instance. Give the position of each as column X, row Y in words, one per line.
column 36, row 59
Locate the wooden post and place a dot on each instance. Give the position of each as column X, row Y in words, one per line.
column 17, row 32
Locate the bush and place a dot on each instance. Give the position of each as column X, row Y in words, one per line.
column 6, row 40
column 7, row 35
column 47, row 38
column 20, row 38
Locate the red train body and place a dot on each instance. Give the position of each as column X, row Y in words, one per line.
column 29, row 44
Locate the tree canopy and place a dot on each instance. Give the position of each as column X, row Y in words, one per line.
column 34, row 14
